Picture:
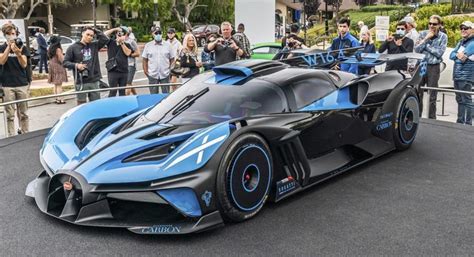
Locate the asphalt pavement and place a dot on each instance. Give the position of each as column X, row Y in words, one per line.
column 419, row 202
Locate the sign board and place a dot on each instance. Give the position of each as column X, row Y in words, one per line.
column 382, row 22
column 20, row 24
column 381, row 34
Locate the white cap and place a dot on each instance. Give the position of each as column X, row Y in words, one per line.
column 468, row 24
column 410, row 20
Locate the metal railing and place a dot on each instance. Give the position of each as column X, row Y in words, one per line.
column 425, row 112
column 4, row 104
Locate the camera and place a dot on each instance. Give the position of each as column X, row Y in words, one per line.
column 291, row 44
column 226, row 43
column 84, row 73
column 18, row 42
column 397, row 36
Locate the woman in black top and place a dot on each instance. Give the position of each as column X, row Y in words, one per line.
column 189, row 56
column 369, row 47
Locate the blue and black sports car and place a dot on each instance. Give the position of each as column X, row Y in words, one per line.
column 222, row 145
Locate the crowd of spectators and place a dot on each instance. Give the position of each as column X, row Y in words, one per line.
column 167, row 59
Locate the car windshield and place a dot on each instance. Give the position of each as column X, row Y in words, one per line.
column 210, row 103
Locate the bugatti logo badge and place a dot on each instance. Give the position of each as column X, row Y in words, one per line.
column 67, row 186
column 285, row 186
column 206, row 197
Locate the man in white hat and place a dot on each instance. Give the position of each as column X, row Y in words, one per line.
column 463, row 71
column 411, row 28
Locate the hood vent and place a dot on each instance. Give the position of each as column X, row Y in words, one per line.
column 156, row 153
column 92, row 129
column 159, row 133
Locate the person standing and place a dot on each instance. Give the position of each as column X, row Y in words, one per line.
column 158, row 55
column 463, row 72
column 131, row 35
column 398, row 43
column 432, row 43
column 132, row 63
column 42, row 51
column 369, row 47
column 296, row 41
column 83, row 59
column 57, row 73
column 117, row 64
column 244, row 41
column 411, row 28
column 14, row 78
column 362, row 27
column 208, row 58
column 345, row 40
column 189, row 56
column 177, row 46
column 227, row 49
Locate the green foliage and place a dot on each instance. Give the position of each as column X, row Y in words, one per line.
column 384, row 8
column 439, row 9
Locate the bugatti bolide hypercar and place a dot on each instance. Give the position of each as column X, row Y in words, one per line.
column 221, row 146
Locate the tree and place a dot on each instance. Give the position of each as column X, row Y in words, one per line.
column 336, row 4
column 311, row 7
column 365, row 2
column 9, row 8
column 182, row 14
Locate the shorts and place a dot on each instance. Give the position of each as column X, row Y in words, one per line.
column 88, row 86
column 131, row 74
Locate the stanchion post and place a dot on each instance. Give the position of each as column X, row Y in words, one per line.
column 426, row 103
column 4, row 115
column 442, row 105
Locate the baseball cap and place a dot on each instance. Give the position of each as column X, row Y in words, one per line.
column 171, row 30
column 155, row 30
column 468, row 24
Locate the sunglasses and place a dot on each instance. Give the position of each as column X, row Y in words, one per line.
column 465, row 28
column 400, row 28
column 433, row 24
column 157, row 33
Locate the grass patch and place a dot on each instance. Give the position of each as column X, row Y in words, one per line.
column 37, row 92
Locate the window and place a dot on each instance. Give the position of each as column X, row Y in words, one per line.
column 310, row 90
column 261, row 50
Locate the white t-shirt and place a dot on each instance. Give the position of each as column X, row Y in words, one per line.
column 158, row 55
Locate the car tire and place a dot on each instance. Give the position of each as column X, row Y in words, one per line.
column 202, row 41
column 407, row 119
column 244, row 178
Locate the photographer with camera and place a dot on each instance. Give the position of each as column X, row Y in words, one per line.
column 83, row 59
column 396, row 44
column 14, row 77
column 117, row 63
column 226, row 48
column 293, row 41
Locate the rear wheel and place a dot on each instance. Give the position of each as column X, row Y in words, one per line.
column 407, row 119
column 244, row 177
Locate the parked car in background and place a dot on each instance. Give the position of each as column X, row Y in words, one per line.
column 201, row 32
column 265, row 51
column 66, row 42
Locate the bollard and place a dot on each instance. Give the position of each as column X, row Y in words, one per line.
column 4, row 115
column 442, row 106
column 426, row 104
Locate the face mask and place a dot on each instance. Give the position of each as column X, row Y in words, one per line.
column 158, row 37
column 401, row 32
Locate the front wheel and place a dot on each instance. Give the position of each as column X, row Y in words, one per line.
column 407, row 119
column 244, row 178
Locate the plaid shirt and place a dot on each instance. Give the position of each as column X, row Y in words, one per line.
column 434, row 48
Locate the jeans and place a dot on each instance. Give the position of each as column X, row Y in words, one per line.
column 464, row 101
column 82, row 98
column 12, row 94
column 431, row 79
column 117, row 79
column 155, row 90
column 43, row 62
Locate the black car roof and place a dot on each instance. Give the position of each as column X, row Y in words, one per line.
column 275, row 72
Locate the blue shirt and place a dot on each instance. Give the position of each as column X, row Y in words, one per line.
column 434, row 48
